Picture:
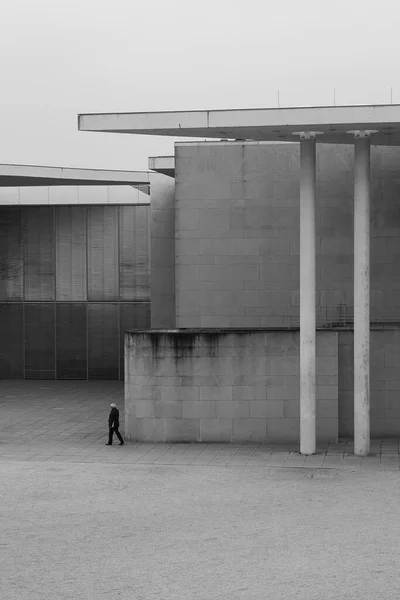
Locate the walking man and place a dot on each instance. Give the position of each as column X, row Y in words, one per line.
column 113, row 425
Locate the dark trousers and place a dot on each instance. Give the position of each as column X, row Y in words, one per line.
column 111, row 430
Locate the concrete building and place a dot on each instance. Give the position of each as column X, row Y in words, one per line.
column 275, row 236
column 74, row 269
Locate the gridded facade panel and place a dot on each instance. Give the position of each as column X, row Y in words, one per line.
column 11, row 341
column 38, row 231
column 134, row 253
column 40, row 356
column 70, row 253
column 132, row 316
column 80, row 279
column 103, row 341
column 71, row 334
column 102, row 233
column 11, row 255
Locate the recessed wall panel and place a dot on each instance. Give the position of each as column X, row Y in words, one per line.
column 102, row 232
column 40, row 341
column 132, row 316
column 38, row 232
column 103, row 341
column 134, row 253
column 11, row 341
column 71, row 340
column 70, row 253
column 11, row 258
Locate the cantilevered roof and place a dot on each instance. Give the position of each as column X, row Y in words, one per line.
column 163, row 164
column 29, row 175
column 273, row 124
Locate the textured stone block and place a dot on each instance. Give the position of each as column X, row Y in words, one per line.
column 327, row 392
column 249, row 430
column 326, row 366
column 249, row 392
column 216, row 430
column 327, row 430
column 140, row 392
column 182, row 430
column 187, row 218
column 291, row 409
column 165, row 409
column 283, row 393
column 145, row 409
column 218, row 321
column 290, row 366
column 283, row 430
column 216, row 393
column 266, row 409
column 244, row 321
column 327, row 409
column 232, row 409
column 150, row 430
column 199, row 410
column 327, row 344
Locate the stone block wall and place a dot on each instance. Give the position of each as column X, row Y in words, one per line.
column 224, row 386
column 385, row 383
column 237, row 233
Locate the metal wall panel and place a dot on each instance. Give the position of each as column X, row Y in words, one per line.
column 132, row 316
column 11, row 341
column 103, row 341
column 60, row 255
column 11, row 255
column 38, row 231
column 71, row 348
column 102, row 233
column 40, row 341
column 70, row 253
column 134, row 253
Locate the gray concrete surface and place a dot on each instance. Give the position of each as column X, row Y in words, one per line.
column 149, row 532
column 79, row 520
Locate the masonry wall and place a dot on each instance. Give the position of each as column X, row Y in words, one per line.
column 237, row 233
column 385, row 383
column 224, row 386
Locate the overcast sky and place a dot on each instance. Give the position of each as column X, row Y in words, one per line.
column 63, row 57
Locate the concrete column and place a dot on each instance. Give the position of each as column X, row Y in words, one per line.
column 361, row 294
column 307, row 295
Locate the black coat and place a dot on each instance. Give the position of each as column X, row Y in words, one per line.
column 113, row 419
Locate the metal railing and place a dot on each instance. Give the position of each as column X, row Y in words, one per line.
column 342, row 316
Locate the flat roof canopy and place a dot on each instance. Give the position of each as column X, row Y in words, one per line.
column 163, row 164
column 29, row 175
column 272, row 124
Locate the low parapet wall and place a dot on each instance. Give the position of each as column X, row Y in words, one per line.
column 224, row 386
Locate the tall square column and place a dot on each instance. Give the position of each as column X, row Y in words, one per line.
column 307, row 294
column 362, row 293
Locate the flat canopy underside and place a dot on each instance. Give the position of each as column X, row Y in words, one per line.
column 334, row 124
column 27, row 175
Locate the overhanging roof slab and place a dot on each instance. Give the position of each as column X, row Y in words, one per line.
column 29, row 175
column 269, row 124
column 163, row 164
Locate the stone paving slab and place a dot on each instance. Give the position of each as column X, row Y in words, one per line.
column 67, row 421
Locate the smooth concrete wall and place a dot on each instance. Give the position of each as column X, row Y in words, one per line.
column 224, row 386
column 72, row 194
column 162, row 256
column 237, row 233
column 385, row 383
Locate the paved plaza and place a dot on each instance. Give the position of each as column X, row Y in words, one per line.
column 67, row 422
column 80, row 520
